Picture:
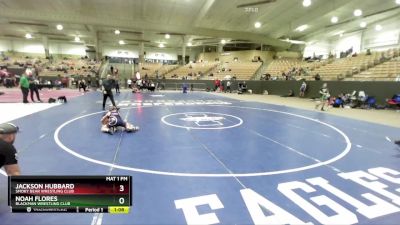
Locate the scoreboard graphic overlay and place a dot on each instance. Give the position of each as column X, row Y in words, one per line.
column 79, row 194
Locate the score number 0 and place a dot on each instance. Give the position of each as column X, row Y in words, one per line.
column 122, row 199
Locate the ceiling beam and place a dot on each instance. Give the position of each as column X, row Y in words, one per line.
column 203, row 12
column 136, row 25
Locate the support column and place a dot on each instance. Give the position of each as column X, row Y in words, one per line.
column 99, row 52
column 220, row 48
column 141, row 52
column 45, row 41
column 183, row 50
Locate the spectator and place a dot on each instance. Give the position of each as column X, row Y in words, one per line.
column 303, row 89
column 339, row 102
column 117, row 86
column 228, row 86
column 82, row 85
column 108, row 85
column 324, row 92
column 242, row 87
column 8, row 153
column 33, row 88
column 129, row 82
column 24, row 84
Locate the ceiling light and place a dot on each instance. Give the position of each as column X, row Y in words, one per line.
column 77, row 39
column 363, row 24
column 338, row 33
column 28, row 36
column 121, row 42
column 341, row 35
column 293, row 41
column 167, row 36
column 302, row 28
column 334, row 19
column 257, row 24
column 60, row 27
column 161, row 45
column 306, row 3
column 189, row 44
column 357, row 12
column 117, row 32
column 223, row 41
column 398, row 2
column 378, row 27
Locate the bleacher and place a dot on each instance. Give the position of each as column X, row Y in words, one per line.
column 166, row 69
column 191, row 68
column 240, row 70
column 386, row 71
column 151, row 69
column 286, row 65
column 55, row 67
column 346, row 67
column 359, row 67
column 78, row 67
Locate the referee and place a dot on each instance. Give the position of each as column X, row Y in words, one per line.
column 108, row 84
column 8, row 153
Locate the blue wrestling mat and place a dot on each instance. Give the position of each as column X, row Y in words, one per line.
column 203, row 159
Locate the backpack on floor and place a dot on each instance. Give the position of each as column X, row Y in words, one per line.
column 62, row 99
column 52, row 100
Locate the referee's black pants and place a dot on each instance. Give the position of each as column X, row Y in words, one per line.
column 108, row 94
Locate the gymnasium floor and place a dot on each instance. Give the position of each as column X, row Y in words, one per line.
column 202, row 158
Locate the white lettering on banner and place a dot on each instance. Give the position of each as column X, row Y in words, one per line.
column 189, row 209
column 380, row 208
column 254, row 202
column 257, row 205
column 343, row 216
column 357, row 176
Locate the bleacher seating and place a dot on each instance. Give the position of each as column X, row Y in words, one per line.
column 191, row 68
column 152, row 69
column 241, row 70
column 53, row 67
column 279, row 66
column 149, row 68
column 358, row 67
column 78, row 67
column 346, row 67
column 386, row 71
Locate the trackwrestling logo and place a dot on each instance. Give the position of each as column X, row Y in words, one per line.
column 202, row 120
